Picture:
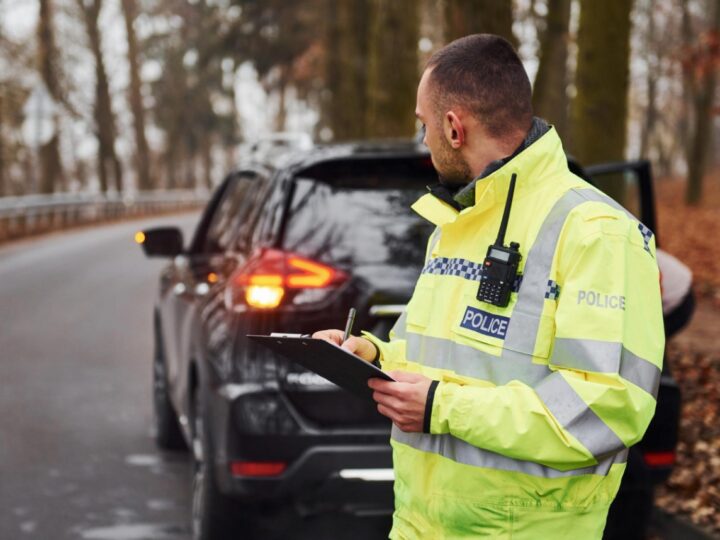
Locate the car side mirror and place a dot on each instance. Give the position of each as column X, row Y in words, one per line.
column 161, row 241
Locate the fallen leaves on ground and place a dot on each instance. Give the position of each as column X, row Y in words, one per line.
column 694, row 486
column 691, row 233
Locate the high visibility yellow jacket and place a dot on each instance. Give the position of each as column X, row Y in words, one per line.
column 537, row 402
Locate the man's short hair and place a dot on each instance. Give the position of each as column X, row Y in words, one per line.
column 483, row 73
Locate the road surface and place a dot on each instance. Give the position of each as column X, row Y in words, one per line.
column 77, row 459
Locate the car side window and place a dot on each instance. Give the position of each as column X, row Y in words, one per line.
column 271, row 213
column 250, row 212
column 228, row 215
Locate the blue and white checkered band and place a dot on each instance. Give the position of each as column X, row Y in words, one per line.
column 647, row 235
column 463, row 268
column 553, row 290
column 444, row 266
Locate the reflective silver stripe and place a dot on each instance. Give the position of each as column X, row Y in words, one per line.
column 434, row 239
column 523, row 328
column 462, row 452
column 577, row 417
column 640, row 372
column 558, row 396
column 398, row 330
column 387, row 310
column 606, row 357
column 471, row 362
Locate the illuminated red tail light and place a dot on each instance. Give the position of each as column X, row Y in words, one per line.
column 659, row 459
column 266, row 278
column 257, row 468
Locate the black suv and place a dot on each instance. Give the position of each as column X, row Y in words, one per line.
column 289, row 243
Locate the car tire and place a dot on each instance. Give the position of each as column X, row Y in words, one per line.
column 168, row 435
column 215, row 516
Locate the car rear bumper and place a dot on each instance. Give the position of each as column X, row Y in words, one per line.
column 327, row 468
column 357, row 478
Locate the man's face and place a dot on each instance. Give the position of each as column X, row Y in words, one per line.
column 448, row 161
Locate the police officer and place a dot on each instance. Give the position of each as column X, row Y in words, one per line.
column 512, row 419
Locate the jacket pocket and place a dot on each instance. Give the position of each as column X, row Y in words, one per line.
column 419, row 307
column 477, row 326
column 481, row 323
column 531, row 335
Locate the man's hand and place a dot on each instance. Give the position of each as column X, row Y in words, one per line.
column 402, row 401
column 357, row 345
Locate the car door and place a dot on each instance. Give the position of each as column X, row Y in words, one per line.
column 222, row 249
column 194, row 273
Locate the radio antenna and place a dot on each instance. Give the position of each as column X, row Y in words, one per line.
column 506, row 214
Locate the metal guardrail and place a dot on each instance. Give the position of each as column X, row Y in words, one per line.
column 36, row 214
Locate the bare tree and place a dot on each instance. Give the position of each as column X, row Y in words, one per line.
column 463, row 17
column 108, row 162
column 392, row 68
column 550, row 98
column 3, row 166
column 700, row 68
column 52, row 175
column 142, row 156
column 3, row 122
column 600, row 107
column 346, row 70
column 651, row 77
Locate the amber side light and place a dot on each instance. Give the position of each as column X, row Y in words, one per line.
column 139, row 237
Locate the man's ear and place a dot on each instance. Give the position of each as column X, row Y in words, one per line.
column 454, row 130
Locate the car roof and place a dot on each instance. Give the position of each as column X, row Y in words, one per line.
column 294, row 161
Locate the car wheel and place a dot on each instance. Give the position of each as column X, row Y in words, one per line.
column 168, row 435
column 214, row 515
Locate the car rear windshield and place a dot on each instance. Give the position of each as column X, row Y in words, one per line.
column 358, row 212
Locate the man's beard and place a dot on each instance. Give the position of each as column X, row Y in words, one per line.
column 452, row 169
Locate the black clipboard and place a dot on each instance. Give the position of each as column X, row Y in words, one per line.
column 327, row 360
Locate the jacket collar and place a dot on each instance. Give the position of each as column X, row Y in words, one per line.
column 532, row 166
column 538, row 128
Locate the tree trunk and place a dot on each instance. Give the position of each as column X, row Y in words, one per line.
column 705, row 78
column 550, row 99
column 281, row 89
column 207, row 162
column 171, row 167
column 653, row 65
column 3, row 121
column 3, row 166
column 464, row 17
column 346, row 67
column 142, row 157
column 51, row 175
column 108, row 162
column 600, row 107
column 392, row 68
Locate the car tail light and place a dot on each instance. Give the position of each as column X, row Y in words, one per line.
column 267, row 279
column 659, row 459
column 257, row 468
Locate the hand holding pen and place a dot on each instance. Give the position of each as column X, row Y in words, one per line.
column 359, row 346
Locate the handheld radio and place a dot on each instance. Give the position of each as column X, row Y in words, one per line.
column 501, row 263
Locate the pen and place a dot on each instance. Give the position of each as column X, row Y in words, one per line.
column 349, row 324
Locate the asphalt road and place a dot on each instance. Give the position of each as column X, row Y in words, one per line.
column 76, row 455
column 77, row 458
